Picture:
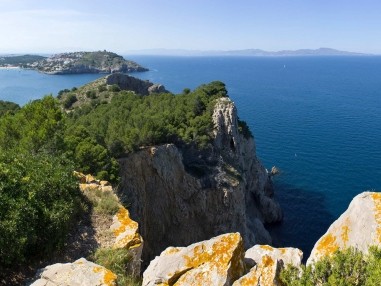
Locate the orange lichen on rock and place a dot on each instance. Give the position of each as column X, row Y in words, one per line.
column 267, row 261
column 123, row 216
column 267, row 247
column 345, row 232
column 327, row 245
column 377, row 214
column 126, row 230
column 171, row 250
column 250, row 279
column 212, row 264
column 220, row 255
column 109, row 278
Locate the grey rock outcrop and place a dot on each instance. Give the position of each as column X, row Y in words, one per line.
column 218, row 261
column 126, row 82
column 266, row 263
column 79, row 273
column 181, row 195
column 358, row 227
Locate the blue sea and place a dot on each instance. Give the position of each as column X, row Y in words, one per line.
column 318, row 119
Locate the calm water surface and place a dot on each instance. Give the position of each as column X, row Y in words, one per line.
column 316, row 118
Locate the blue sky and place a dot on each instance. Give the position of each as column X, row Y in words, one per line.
column 49, row 26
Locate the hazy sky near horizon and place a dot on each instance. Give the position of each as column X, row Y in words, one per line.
column 50, row 26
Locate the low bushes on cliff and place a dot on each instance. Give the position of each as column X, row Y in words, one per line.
column 133, row 121
column 8, row 107
column 116, row 260
column 40, row 126
column 349, row 267
column 39, row 198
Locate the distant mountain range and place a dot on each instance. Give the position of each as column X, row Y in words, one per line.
column 246, row 52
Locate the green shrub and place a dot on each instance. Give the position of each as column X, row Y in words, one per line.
column 117, row 261
column 102, row 88
column 114, row 88
column 8, row 107
column 91, row 94
column 347, row 268
column 39, row 199
column 103, row 202
column 70, row 100
column 36, row 127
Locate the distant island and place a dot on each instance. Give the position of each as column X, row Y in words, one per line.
column 73, row 63
column 248, row 52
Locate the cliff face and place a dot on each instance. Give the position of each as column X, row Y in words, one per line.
column 183, row 195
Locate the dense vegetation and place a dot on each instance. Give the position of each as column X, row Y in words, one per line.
column 345, row 268
column 41, row 145
column 39, row 199
column 7, row 106
column 39, row 196
column 130, row 121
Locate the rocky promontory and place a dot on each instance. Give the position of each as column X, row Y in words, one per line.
column 182, row 195
column 85, row 62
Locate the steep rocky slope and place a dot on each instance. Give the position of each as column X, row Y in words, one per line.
column 180, row 195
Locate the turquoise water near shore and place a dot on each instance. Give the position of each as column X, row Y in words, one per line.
column 22, row 86
column 316, row 118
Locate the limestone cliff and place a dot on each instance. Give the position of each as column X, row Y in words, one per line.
column 181, row 195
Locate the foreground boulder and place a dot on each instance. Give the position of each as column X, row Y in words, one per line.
column 266, row 263
column 218, row 261
column 78, row 273
column 359, row 227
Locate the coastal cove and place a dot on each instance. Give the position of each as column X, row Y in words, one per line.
column 317, row 119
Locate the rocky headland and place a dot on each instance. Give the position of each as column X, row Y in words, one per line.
column 74, row 63
column 182, row 195
column 186, row 215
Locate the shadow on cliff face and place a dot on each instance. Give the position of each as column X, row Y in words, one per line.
column 306, row 218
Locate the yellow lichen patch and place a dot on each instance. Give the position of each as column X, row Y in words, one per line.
column 97, row 269
column 198, row 257
column 267, row 270
column 345, row 232
column 109, row 278
column 327, row 245
column 220, row 255
column 125, row 221
column 249, row 279
column 129, row 241
column 377, row 214
column 266, row 247
column 171, row 250
column 267, row 261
